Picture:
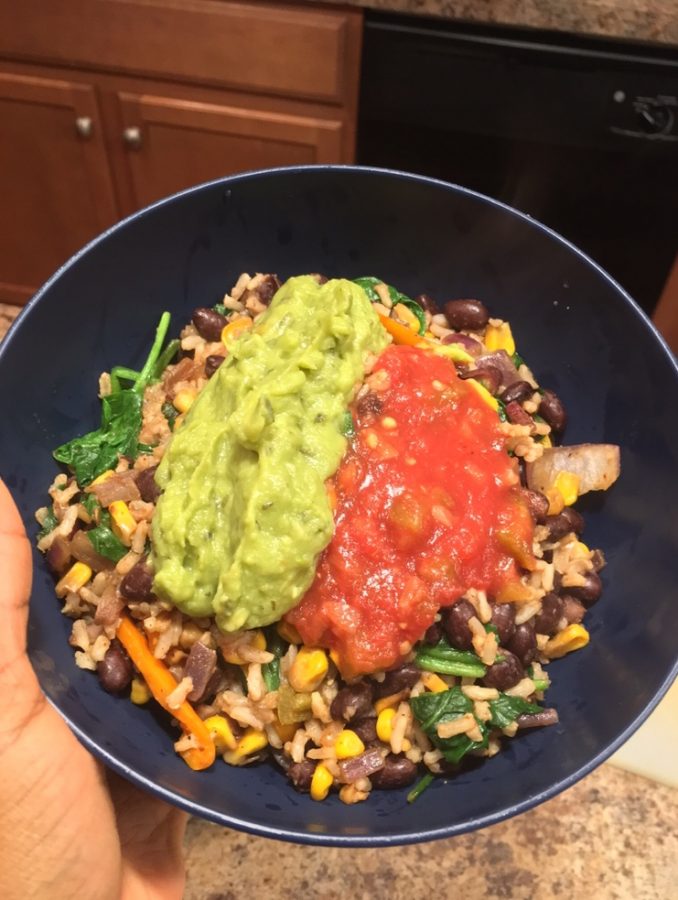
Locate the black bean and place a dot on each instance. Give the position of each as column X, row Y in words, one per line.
column 504, row 620
column 519, row 390
column 455, row 622
column 366, row 729
column 564, row 523
column 138, row 583
column 428, row 303
column 397, row 680
column 471, row 315
column 590, row 591
column 433, row 634
column 148, row 489
column 301, row 774
column 212, row 363
column 538, row 505
column 505, row 674
column 398, row 772
column 208, row 323
column 115, row 669
column 353, row 701
column 267, row 288
column 524, row 643
column 551, row 614
column 552, row 411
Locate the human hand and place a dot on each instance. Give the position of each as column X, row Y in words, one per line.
column 68, row 828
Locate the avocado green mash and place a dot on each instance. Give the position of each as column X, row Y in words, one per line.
column 244, row 512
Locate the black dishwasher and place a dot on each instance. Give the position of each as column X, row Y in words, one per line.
column 579, row 133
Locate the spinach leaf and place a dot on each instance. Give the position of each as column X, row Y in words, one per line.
column 501, row 410
column 49, row 524
column 90, row 502
column 446, row 660
column 347, row 427
column 271, row 670
column 104, row 541
column 93, row 453
column 517, row 360
column 121, row 416
column 221, row 309
column 367, row 284
column 506, row 709
column 432, row 709
column 171, row 413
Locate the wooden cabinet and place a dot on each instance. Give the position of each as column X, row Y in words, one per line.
column 54, row 179
column 171, row 144
column 108, row 105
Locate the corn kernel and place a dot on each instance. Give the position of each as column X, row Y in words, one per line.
column 101, row 478
column 321, row 782
column 288, row 632
column 76, row 577
column 235, row 328
column 250, row 743
column 385, row 724
column 308, row 670
column 184, row 400
column 222, row 734
column 348, row 744
column 433, row 682
column 546, row 441
column 556, row 501
column 406, row 316
column 500, row 337
column 390, row 701
column 483, row 393
column 178, row 422
column 568, row 485
column 259, row 640
column 574, row 637
column 581, row 549
column 122, row 521
column 140, row 692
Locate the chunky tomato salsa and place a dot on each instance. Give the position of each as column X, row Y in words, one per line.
column 428, row 505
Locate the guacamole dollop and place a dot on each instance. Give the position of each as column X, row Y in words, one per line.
column 244, row 512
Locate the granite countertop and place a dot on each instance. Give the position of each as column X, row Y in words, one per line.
column 640, row 20
column 613, row 836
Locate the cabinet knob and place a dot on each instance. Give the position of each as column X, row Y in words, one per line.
column 83, row 127
column 132, row 137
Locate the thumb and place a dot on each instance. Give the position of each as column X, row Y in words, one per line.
column 15, row 586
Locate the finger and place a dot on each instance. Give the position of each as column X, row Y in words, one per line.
column 151, row 839
column 15, row 584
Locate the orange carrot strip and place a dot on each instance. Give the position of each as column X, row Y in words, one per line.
column 161, row 683
column 401, row 334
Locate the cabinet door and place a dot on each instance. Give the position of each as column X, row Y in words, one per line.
column 172, row 144
column 55, row 184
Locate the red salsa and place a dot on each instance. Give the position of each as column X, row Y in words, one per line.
column 428, row 505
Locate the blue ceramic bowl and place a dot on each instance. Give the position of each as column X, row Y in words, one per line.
column 578, row 329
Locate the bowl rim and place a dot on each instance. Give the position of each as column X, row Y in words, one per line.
column 350, row 840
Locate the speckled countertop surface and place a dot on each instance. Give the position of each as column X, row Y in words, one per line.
column 613, row 836
column 642, row 20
